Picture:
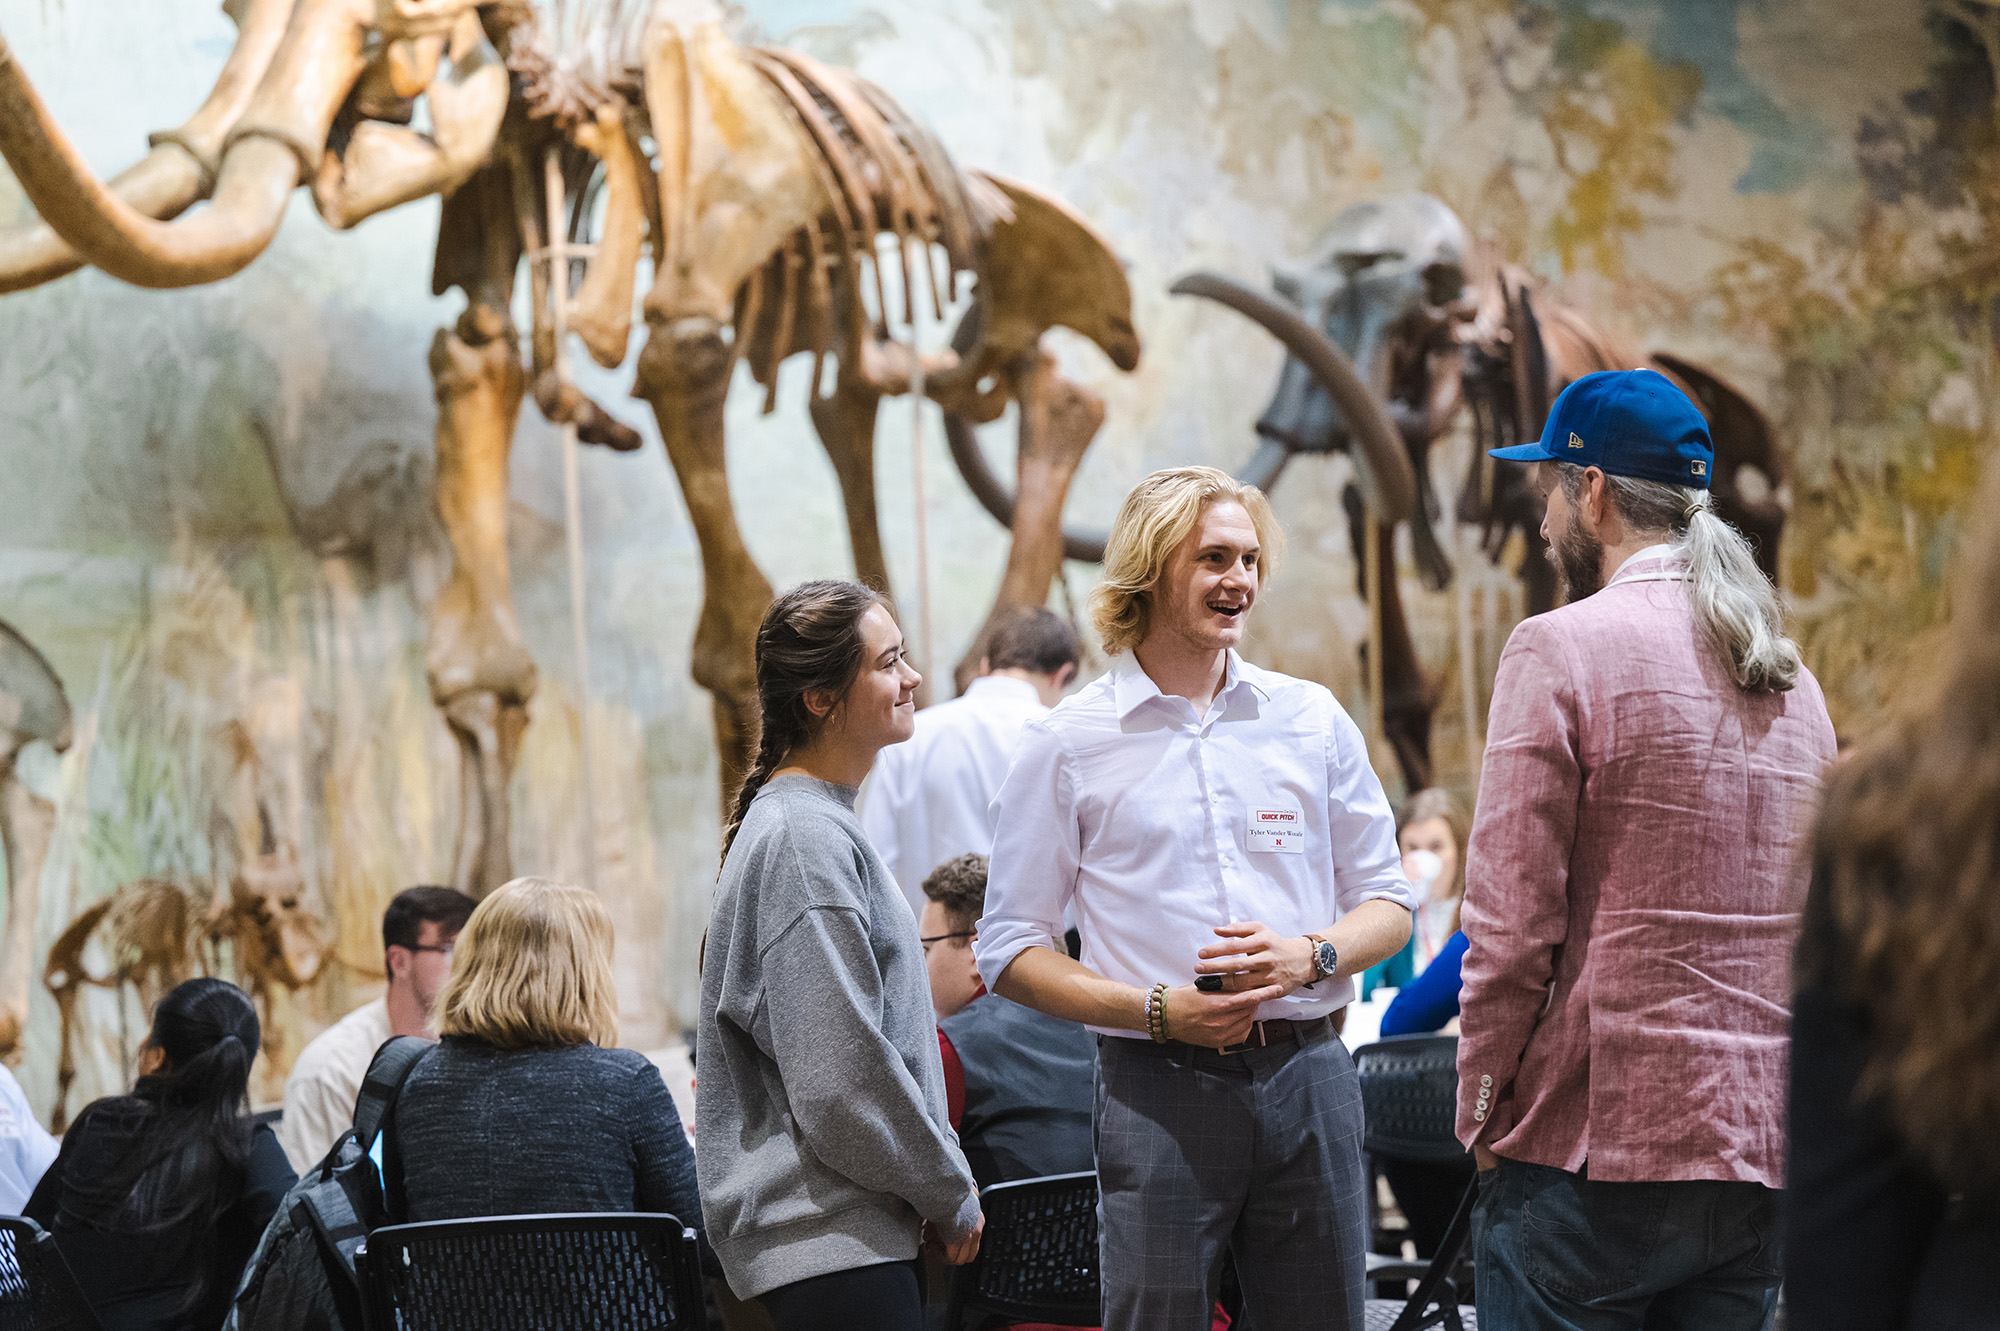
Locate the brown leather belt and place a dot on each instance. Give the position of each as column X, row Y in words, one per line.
column 1264, row 1034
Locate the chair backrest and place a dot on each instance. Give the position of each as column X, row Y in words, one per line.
column 37, row 1291
column 1409, row 1098
column 588, row 1272
column 1038, row 1257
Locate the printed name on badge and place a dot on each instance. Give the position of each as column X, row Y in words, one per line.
column 1279, row 830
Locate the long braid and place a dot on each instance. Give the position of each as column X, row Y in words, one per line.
column 772, row 746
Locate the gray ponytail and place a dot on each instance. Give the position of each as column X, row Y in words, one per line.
column 1735, row 605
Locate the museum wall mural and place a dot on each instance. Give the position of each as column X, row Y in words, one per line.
column 224, row 742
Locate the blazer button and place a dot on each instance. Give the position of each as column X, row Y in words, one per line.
column 1479, row 1115
column 1486, row 1081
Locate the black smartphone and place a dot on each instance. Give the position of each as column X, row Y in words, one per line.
column 1208, row 984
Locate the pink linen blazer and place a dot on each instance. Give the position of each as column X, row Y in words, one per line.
column 1631, row 897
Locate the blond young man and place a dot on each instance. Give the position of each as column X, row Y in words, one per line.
column 1203, row 817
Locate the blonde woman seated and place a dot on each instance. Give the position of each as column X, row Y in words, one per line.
column 525, row 1107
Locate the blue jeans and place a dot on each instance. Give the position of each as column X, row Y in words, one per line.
column 1555, row 1251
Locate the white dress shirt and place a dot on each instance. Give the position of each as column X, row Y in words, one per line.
column 928, row 798
column 325, row 1082
column 1156, row 825
column 26, row 1149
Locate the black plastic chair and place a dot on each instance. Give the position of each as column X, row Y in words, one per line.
column 1037, row 1260
column 587, row 1272
column 37, row 1291
column 1409, row 1105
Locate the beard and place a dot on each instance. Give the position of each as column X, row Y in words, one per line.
column 1578, row 558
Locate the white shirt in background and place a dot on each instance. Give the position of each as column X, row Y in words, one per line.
column 325, row 1082
column 1156, row 825
column 26, row 1149
column 928, row 798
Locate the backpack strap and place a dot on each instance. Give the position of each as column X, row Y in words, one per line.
column 393, row 1063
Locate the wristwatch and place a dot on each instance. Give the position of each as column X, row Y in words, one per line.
column 1326, row 961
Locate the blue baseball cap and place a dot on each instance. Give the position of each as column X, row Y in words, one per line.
column 1625, row 423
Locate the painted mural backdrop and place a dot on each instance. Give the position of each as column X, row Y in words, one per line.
column 215, row 507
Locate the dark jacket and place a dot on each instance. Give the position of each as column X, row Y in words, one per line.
column 150, row 1281
column 1029, row 1084
column 1874, row 1240
column 485, row 1131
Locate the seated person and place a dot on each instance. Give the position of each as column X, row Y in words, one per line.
column 1019, row 1084
column 1430, row 832
column 417, row 933
column 157, row 1197
column 26, row 1148
column 526, row 1106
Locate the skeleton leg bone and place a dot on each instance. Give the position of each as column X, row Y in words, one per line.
column 684, row 375
column 845, row 423
column 1058, row 420
column 480, row 672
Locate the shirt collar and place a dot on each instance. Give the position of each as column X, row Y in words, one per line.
column 1650, row 564
column 1004, row 686
column 1132, row 687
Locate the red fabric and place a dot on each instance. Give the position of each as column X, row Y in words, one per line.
column 1631, row 896
column 954, row 1081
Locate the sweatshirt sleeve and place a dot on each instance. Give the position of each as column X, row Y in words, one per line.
column 855, row 1103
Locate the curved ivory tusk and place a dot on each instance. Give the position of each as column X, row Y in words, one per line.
column 179, row 170
column 276, row 139
column 1382, row 469
column 994, row 496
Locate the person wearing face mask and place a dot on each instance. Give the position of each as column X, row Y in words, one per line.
column 824, row 1147
column 1431, row 833
column 1207, row 820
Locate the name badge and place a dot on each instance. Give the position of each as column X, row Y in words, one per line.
column 1279, row 830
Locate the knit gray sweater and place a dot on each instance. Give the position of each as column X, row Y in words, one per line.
column 821, row 1132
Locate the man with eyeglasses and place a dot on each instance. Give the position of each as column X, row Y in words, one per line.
column 418, row 931
column 1017, row 1082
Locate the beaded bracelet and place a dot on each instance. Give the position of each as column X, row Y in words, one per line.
column 1156, row 1014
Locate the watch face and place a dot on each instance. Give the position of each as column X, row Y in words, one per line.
column 1327, row 958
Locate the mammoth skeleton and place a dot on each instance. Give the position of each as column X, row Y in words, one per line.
column 1389, row 336
column 769, row 192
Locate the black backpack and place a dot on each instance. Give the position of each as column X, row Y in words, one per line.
column 301, row 1276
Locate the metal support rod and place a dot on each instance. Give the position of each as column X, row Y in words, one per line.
column 917, row 485
column 1371, row 575
column 1468, row 658
column 558, row 257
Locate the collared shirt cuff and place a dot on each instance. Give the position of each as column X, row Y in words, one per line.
column 999, row 942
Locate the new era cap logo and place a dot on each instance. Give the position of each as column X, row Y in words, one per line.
column 1698, row 467
column 1574, row 441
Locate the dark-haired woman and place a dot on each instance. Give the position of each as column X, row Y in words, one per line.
column 1893, row 1198
column 157, row 1197
column 824, row 1150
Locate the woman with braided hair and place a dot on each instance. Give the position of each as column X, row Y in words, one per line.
column 824, row 1150
column 158, row 1196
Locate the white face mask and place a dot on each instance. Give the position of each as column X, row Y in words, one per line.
column 1423, row 868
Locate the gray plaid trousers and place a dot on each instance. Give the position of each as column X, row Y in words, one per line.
column 1258, row 1153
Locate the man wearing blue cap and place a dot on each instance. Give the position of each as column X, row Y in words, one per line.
column 1652, row 757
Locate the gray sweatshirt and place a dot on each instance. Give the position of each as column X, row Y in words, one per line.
column 821, row 1131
